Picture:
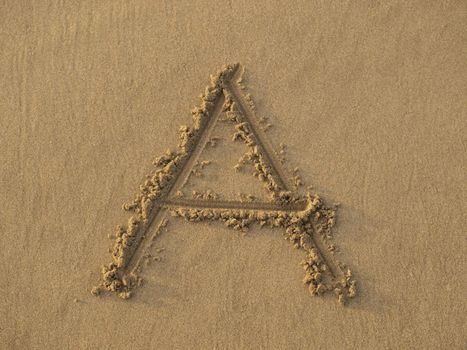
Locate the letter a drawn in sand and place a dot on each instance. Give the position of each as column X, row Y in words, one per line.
column 304, row 218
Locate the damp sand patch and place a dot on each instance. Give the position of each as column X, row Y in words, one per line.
column 304, row 218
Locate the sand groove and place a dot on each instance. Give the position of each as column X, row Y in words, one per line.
column 258, row 134
column 216, row 204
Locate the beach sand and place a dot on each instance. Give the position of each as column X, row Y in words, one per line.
column 366, row 99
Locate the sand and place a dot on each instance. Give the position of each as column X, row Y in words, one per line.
column 361, row 104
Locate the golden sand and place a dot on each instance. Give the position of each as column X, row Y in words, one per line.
column 363, row 99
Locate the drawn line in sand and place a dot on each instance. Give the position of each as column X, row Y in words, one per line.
column 227, row 205
column 304, row 218
column 247, row 115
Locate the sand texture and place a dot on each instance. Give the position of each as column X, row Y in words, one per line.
column 270, row 159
